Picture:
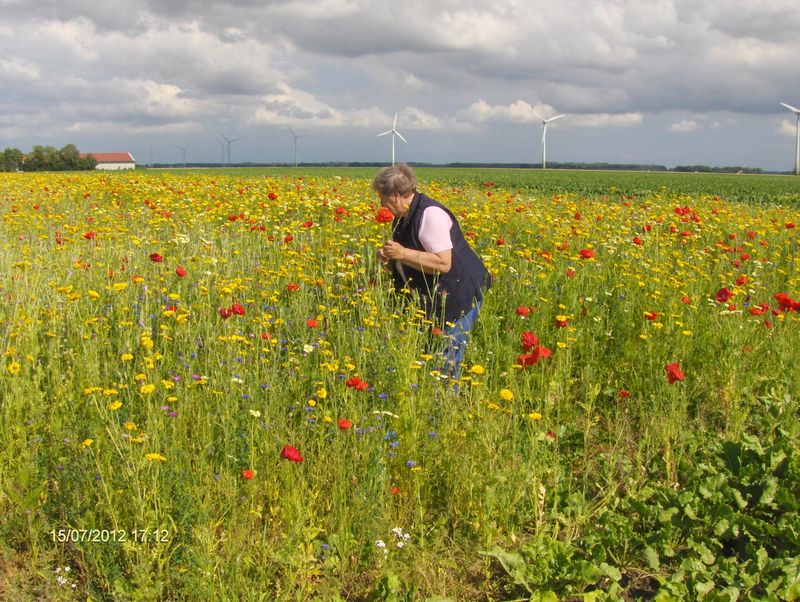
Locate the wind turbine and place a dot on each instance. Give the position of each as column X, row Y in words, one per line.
column 544, row 135
column 183, row 150
column 229, row 142
column 296, row 136
column 394, row 133
column 797, row 141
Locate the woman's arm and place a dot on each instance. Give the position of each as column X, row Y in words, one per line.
column 424, row 261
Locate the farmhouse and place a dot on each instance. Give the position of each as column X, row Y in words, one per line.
column 113, row 160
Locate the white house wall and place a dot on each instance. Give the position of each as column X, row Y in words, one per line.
column 108, row 166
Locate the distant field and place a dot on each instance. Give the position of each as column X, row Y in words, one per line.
column 747, row 187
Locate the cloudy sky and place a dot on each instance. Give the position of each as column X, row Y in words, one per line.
column 667, row 82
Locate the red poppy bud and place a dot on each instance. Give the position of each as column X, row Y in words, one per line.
column 272, row 196
column 237, row 309
column 247, row 474
column 156, row 258
column 181, row 271
column 225, row 312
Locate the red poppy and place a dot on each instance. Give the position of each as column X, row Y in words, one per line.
column 225, row 312
column 786, row 303
column 384, row 216
column 789, row 225
column 181, row 271
column 741, row 280
column 534, row 357
column 529, row 340
column 724, row 294
column 344, row 424
column 308, row 224
column 292, row 286
column 500, row 241
column 156, row 258
column 272, row 196
column 570, row 272
column 651, row 315
column 89, row 235
column 686, row 300
column 312, row 323
column 623, row 394
column 247, row 474
column 290, row 453
column 237, row 309
column 562, row 323
column 674, row 372
column 637, row 240
column 356, row 383
column 395, row 490
column 288, row 238
column 523, row 311
column 586, row 254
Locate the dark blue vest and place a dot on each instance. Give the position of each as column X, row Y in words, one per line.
column 447, row 295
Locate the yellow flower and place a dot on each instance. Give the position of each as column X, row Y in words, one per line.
column 129, row 426
column 126, row 357
column 506, row 394
column 154, row 456
column 535, row 416
column 93, row 294
column 114, row 405
column 322, row 393
column 477, row 369
column 87, row 442
column 147, row 389
column 13, row 368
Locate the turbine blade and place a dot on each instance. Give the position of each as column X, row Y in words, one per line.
column 556, row 117
column 791, row 108
column 384, row 133
column 394, row 125
column 537, row 114
column 399, row 135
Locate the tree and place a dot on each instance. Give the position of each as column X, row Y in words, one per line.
column 11, row 159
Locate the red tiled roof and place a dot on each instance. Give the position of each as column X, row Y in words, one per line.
column 112, row 157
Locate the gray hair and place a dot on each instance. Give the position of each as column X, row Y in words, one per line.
column 395, row 179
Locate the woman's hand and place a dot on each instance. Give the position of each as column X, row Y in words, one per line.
column 392, row 250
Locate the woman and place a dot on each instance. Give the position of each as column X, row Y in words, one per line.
column 429, row 255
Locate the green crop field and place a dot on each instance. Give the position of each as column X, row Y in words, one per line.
column 208, row 390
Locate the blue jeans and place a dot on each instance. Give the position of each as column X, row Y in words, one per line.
column 456, row 338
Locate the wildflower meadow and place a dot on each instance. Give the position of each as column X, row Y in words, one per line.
column 209, row 390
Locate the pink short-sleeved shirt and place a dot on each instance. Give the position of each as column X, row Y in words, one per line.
column 434, row 230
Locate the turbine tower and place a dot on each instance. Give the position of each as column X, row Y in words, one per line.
column 183, row 151
column 229, row 141
column 797, row 138
column 394, row 133
column 296, row 136
column 544, row 135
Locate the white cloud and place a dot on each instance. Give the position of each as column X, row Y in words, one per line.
column 685, row 126
column 787, row 128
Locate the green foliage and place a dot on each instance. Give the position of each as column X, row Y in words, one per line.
column 48, row 158
column 729, row 530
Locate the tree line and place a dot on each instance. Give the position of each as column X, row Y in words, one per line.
column 46, row 158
